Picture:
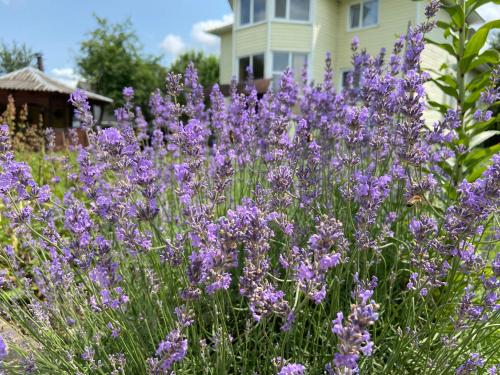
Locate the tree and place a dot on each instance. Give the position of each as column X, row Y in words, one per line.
column 112, row 58
column 15, row 57
column 206, row 65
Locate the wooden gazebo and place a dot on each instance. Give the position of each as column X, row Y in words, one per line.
column 48, row 98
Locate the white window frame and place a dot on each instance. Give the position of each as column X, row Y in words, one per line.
column 287, row 16
column 342, row 72
column 290, row 61
column 251, row 63
column 251, row 23
column 361, row 27
column 341, row 80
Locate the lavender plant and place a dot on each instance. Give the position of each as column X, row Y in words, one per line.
column 313, row 235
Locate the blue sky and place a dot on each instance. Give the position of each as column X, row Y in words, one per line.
column 55, row 27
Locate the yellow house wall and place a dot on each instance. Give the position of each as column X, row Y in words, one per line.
column 251, row 40
column 226, row 56
column 436, row 61
column 329, row 33
column 394, row 18
column 291, row 37
column 324, row 36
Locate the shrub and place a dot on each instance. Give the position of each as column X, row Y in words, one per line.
column 25, row 136
column 302, row 241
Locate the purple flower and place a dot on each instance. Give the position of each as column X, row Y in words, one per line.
column 470, row 365
column 172, row 349
column 77, row 219
column 83, row 113
column 292, row 369
column 128, row 92
column 3, row 349
column 353, row 335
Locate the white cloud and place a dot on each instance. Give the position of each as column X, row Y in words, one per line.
column 489, row 12
column 173, row 44
column 66, row 75
column 199, row 31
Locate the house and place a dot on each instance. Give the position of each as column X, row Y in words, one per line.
column 46, row 98
column 271, row 35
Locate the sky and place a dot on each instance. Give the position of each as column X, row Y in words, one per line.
column 168, row 27
column 56, row 27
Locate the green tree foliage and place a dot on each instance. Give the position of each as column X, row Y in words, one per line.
column 465, row 80
column 206, row 65
column 111, row 58
column 15, row 56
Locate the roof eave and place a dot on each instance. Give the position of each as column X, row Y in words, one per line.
column 221, row 30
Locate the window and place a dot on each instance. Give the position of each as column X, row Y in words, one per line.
column 345, row 78
column 349, row 79
column 245, row 12
column 280, row 8
column 299, row 10
column 257, row 64
column 259, row 10
column 363, row 14
column 283, row 60
column 296, row 10
column 252, row 11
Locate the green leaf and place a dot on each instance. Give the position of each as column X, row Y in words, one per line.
column 476, row 172
column 446, row 89
column 480, row 155
column 443, row 25
column 482, row 159
column 487, row 57
column 449, row 80
column 477, row 41
column 457, row 15
column 443, row 108
column 478, row 82
column 472, row 5
column 471, row 100
column 446, row 46
column 477, row 127
column 481, row 137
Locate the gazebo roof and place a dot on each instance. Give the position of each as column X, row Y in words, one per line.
column 32, row 79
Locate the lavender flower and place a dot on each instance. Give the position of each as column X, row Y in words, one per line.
column 172, row 349
column 83, row 112
column 471, row 365
column 3, row 349
column 354, row 337
column 292, row 369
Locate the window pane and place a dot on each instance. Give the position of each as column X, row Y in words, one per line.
column 245, row 12
column 299, row 10
column 280, row 61
column 244, row 62
column 370, row 13
column 259, row 10
column 345, row 78
column 258, row 66
column 298, row 62
column 280, row 9
column 354, row 14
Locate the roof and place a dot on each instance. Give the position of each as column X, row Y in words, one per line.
column 221, row 29
column 32, row 79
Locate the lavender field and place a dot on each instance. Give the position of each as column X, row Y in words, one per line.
column 310, row 230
